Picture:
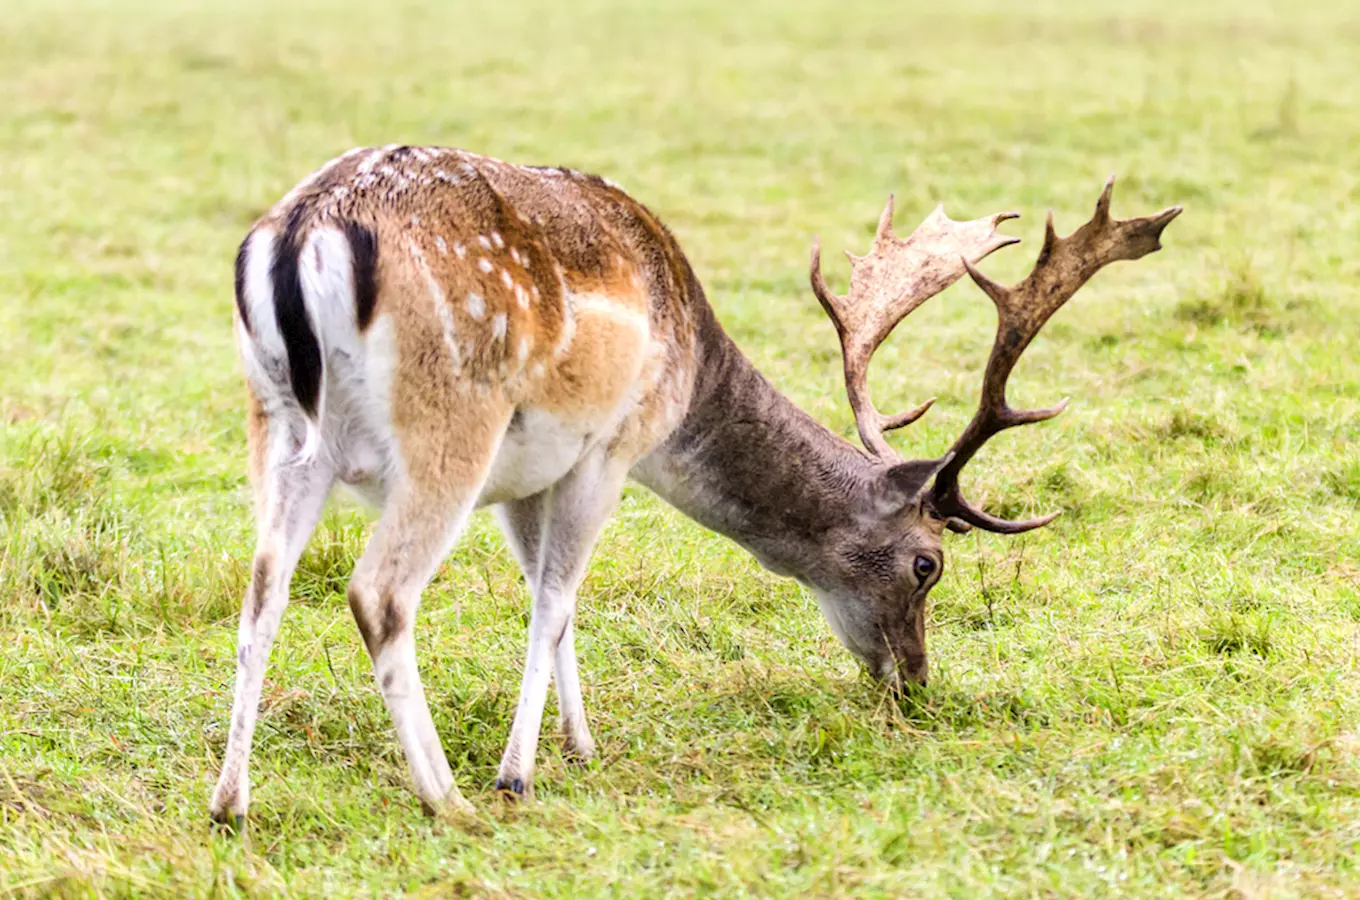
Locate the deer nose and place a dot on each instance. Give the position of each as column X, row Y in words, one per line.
column 914, row 671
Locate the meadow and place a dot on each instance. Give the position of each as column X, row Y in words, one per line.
column 1155, row 696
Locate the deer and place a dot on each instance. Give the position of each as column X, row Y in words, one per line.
column 441, row 331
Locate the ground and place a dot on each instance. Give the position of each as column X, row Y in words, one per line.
column 1156, row 695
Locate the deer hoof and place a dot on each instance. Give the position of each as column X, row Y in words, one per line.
column 226, row 823
column 578, row 752
column 512, row 788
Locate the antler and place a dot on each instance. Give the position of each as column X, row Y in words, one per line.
column 1064, row 265
column 895, row 278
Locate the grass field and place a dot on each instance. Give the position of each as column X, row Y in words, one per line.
column 1155, row 696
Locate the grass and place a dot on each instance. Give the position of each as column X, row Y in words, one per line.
column 1155, row 696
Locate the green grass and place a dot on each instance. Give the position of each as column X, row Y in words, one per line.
column 1157, row 695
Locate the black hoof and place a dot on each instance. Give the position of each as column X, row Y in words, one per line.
column 515, row 787
column 226, row 823
column 575, row 757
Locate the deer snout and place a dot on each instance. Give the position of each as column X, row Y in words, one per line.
column 914, row 671
column 902, row 673
column 905, row 664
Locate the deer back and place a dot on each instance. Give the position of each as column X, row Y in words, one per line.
column 544, row 288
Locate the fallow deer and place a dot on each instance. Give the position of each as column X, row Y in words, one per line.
column 443, row 331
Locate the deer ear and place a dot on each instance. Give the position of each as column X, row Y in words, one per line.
column 903, row 484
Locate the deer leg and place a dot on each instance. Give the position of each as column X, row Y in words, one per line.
column 422, row 518
column 524, row 522
column 578, row 506
column 289, row 499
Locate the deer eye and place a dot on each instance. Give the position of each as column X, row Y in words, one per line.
column 924, row 567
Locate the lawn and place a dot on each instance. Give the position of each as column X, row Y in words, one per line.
column 1155, row 696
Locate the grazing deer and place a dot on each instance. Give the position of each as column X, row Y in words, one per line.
column 443, row 331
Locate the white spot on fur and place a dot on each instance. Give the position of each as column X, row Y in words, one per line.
column 441, row 245
column 521, row 296
column 415, row 221
column 533, row 289
column 441, row 306
column 524, row 344
column 506, row 279
column 499, row 322
column 484, row 241
column 568, row 333
column 459, row 249
column 498, row 240
column 514, row 254
column 484, row 264
column 369, row 162
column 476, row 306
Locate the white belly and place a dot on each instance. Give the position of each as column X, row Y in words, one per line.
column 537, row 451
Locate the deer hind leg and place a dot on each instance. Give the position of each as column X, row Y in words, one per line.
column 524, row 523
column 289, row 496
column 577, row 507
column 423, row 516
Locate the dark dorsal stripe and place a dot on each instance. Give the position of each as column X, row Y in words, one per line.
column 241, row 257
column 290, row 312
column 363, row 249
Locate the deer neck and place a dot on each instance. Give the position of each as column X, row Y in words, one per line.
column 750, row 465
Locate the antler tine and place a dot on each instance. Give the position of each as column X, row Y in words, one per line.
column 886, row 285
column 1063, row 266
column 830, row 302
column 885, row 230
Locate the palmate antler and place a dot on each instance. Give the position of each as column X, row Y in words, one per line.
column 886, row 285
column 902, row 282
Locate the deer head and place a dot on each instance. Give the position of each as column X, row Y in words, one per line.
column 887, row 561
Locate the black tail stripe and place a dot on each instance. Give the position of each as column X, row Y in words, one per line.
column 290, row 312
column 241, row 257
column 363, row 249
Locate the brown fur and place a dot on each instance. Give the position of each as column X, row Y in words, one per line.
column 564, row 271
